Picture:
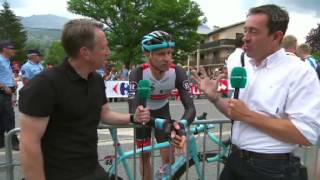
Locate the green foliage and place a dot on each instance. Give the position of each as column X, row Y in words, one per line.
column 316, row 55
column 43, row 37
column 55, row 54
column 313, row 38
column 128, row 21
column 12, row 29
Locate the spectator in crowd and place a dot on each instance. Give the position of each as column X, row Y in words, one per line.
column 133, row 66
column 277, row 110
column 290, row 43
column 234, row 57
column 124, row 73
column 103, row 70
column 223, row 87
column 113, row 76
column 7, row 89
column 50, row 66
column 32, row 67
column 61, row 109
column 304, row 52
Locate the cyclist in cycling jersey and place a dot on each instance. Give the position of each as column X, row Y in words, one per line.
column 164, row 77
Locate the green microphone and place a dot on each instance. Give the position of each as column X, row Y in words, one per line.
column 144, row 91
column 238, row 79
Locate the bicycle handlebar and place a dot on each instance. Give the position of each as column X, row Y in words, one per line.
column 167, row 125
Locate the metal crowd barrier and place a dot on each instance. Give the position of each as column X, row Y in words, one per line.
column 308, row 155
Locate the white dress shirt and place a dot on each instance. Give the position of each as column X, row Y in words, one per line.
column 279, row 88
column 293, row 56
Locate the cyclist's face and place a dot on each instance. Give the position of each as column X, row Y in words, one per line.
column 161, row 58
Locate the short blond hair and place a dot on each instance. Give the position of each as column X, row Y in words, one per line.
column 289, row 41
column 304, row 48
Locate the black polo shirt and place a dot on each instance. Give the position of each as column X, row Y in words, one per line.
column 73, row 104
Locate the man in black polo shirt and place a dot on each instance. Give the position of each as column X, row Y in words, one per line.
column 61, row 109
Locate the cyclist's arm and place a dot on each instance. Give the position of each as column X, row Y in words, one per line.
column 182, row 84
column 133, row 99
column 32, row 130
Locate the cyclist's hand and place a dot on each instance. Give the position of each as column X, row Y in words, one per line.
column 179, row 139
column 142, row 115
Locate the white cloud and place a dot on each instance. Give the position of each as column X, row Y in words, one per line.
column 226, row 12
column 222, row 13
column 301, row 24
column 218, row 12
column 36, row 7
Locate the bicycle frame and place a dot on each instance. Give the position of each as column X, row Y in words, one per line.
column 193, row 152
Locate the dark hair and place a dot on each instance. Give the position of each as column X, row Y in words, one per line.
column 6, row 44
column 79, row 33
column 278, row 18
column 239, row 41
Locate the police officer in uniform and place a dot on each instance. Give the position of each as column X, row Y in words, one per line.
column 32, row 67
column 7, row 88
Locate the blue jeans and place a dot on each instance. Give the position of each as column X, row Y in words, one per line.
column 238, row 168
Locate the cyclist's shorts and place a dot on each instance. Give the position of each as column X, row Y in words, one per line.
column 143, row 135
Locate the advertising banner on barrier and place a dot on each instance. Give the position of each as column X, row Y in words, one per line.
column 117, row 89
column 195, row 90
column 120, row 89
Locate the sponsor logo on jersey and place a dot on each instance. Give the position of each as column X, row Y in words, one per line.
column 186, row 85
column 133, row 87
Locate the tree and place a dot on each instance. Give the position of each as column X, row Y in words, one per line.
column 11, row 29
column 313, row 39
column 55, row 54
column 128, row 21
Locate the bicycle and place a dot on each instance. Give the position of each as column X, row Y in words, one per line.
column 178, row 168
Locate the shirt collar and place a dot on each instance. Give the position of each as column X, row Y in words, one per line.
column 71, row 73
column 307, row 57
column 3, row 57
column 291, row 54
column 31, row 62
column 271, row 60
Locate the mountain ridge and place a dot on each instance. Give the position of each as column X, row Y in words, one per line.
column 46, row 21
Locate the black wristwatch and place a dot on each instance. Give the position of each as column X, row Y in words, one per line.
column 132, row 118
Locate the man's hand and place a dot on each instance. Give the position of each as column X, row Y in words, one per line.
column 238, row 110
column 142, row 115
column 208, row 85
column 178, row 141
column 7, row 90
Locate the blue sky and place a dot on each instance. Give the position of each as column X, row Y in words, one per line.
column 304, row 14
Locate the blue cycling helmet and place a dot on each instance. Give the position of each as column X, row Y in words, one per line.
column 157, row 40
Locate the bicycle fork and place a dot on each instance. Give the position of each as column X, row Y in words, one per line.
column 194, row 152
